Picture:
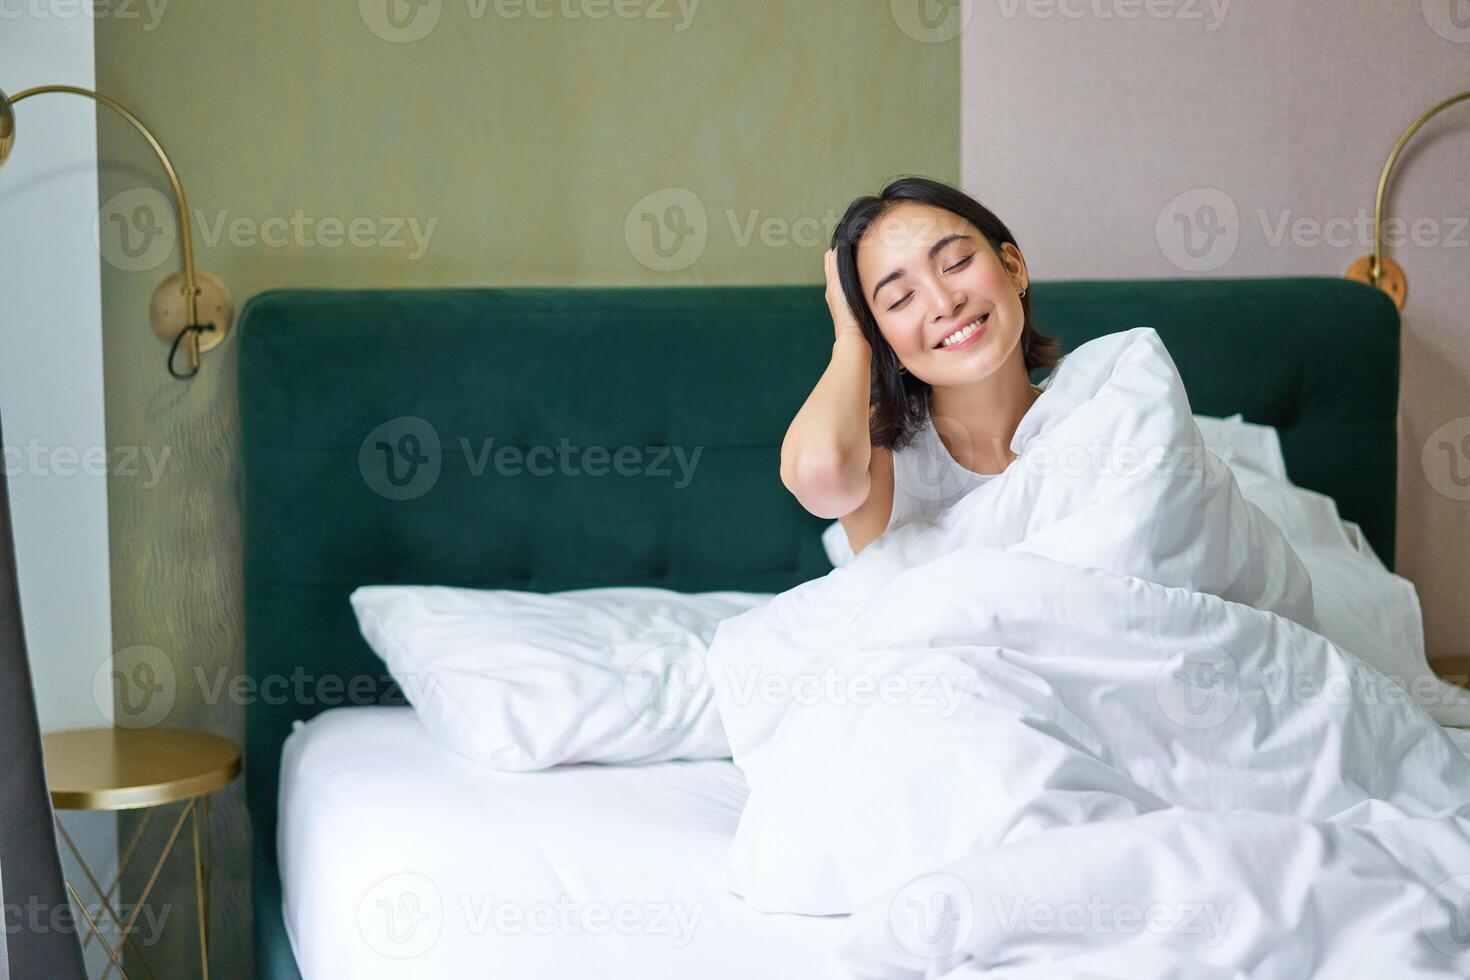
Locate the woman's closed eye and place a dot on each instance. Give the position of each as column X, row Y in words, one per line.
column 906, row 296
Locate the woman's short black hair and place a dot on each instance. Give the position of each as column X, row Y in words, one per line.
column 900, row 400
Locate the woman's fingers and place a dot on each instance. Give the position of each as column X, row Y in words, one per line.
column 842, row 318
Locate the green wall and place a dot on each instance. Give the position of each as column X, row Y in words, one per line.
column 525, row 150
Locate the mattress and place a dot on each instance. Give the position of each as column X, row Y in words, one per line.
column 400, row 859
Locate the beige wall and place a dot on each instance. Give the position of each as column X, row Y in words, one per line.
column 524, row 151
column 1089, row 129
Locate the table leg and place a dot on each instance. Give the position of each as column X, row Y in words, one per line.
column 122, row 867
column 125, row 936
column 111, row 953
column 153, row 878
column 76, row 853
column 208, row 866
column 203, row 871
column 199, row 901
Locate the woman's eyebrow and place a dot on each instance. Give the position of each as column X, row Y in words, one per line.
column 895, row 274
column 933, row 251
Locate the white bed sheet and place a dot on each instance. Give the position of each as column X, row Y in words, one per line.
column 400, row 859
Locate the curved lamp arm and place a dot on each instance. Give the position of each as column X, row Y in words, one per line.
column 1377, row 269
column 192, row 329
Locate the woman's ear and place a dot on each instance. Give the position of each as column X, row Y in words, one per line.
column 1015, row 265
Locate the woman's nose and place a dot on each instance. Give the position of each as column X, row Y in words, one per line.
column 946, row 303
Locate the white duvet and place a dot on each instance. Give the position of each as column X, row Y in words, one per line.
column 1082, row 725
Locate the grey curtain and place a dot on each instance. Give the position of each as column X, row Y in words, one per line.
column 39, row 939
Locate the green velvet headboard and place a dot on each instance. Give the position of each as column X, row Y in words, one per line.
column 578, row 388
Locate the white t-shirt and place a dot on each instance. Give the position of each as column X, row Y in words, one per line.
column 927, row 480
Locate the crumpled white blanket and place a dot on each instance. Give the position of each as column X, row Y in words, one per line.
column 1089, row 696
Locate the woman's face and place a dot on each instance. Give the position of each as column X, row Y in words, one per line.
column 949, row 306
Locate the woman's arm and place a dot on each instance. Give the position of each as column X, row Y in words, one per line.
column 827, row 459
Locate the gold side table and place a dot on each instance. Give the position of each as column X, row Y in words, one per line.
column 133, row 769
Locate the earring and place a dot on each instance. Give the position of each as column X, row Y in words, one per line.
column 1023, row 292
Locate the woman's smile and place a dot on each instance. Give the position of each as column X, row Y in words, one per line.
column 964, row 336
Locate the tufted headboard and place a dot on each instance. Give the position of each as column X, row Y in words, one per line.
column 547, row 439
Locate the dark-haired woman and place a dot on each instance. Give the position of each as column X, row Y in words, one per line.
column 930, row 369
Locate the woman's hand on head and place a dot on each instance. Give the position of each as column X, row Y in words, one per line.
column 842, row 315
column 827, row 449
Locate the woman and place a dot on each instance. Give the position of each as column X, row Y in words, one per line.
column 929, row 375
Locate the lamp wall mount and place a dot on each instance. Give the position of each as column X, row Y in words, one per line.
column 1378, row 269
column 191, row 310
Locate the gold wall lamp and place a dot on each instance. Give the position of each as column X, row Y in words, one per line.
column 1378, row 269
column 179, row 300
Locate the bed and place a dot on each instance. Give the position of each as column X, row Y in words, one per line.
column 326, row 376
column 524, row 874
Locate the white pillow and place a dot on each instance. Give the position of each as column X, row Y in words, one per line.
column 522, row 681
column 1361, row 606
column 1243, row 444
